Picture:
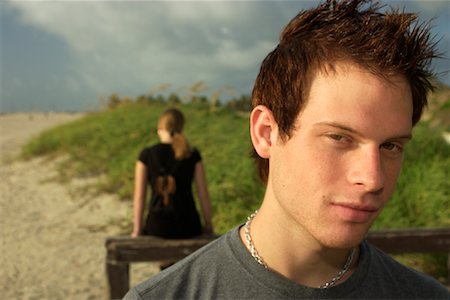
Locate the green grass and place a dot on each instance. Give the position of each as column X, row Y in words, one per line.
column 108, row 143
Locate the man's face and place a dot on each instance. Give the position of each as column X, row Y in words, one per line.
column 335, row 174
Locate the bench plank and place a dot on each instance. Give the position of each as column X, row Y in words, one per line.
column 415, row 240
column 146, row 249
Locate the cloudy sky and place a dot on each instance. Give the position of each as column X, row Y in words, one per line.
column 64, row 55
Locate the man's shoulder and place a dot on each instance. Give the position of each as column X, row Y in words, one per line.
column 395, row 275
column 182, row 278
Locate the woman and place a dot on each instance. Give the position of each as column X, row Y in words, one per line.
column 174, row 163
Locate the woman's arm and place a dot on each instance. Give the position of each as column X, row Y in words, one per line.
column 203, row 196
column 140, row 193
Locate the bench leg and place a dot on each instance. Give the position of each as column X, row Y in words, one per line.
column 448, row 270
column 118, row 279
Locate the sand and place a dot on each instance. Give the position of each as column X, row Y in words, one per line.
column 52, row 235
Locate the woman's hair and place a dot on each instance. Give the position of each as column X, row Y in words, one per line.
column 354, row 31
column 172, row 120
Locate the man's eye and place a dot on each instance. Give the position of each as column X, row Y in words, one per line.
column 336, row 137
column 392, row 147
column 340, row 140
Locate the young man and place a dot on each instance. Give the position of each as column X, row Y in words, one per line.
column 334, row 107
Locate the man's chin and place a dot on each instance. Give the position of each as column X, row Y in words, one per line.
column 344, row 238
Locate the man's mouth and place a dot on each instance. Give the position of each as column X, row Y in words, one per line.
column 355, row 212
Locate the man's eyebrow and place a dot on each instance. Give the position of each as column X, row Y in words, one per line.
column 407, row 136
column 337, row 125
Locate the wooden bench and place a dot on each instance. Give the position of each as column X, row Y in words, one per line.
column 123, row 250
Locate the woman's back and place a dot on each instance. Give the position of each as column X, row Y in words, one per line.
column 182, row 220
column 169, row 168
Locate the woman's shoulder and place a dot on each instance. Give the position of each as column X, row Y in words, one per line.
column 144, row 154
column 195, row 154
column 147, row 149
column 195, row 150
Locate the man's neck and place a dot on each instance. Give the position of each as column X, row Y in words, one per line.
column 292, row 252
column 166, row 140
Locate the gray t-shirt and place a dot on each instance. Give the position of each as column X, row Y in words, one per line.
column 224, row 269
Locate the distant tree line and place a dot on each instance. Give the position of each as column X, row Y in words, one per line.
column 242, row 103
column 188, row 94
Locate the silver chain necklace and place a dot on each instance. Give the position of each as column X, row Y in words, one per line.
column 254, row 253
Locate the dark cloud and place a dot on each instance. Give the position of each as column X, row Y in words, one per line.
column 101, row 47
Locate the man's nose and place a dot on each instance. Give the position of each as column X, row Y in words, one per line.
column 367, row 170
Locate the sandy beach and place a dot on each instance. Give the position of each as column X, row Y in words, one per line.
column 52, row 236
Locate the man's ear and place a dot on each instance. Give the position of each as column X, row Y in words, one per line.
column 262, row 130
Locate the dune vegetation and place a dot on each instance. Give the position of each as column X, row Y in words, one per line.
column 107, row 143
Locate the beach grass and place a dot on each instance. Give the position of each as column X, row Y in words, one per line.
column 107, row 143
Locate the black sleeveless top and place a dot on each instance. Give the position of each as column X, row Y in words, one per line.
column 185, row 222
